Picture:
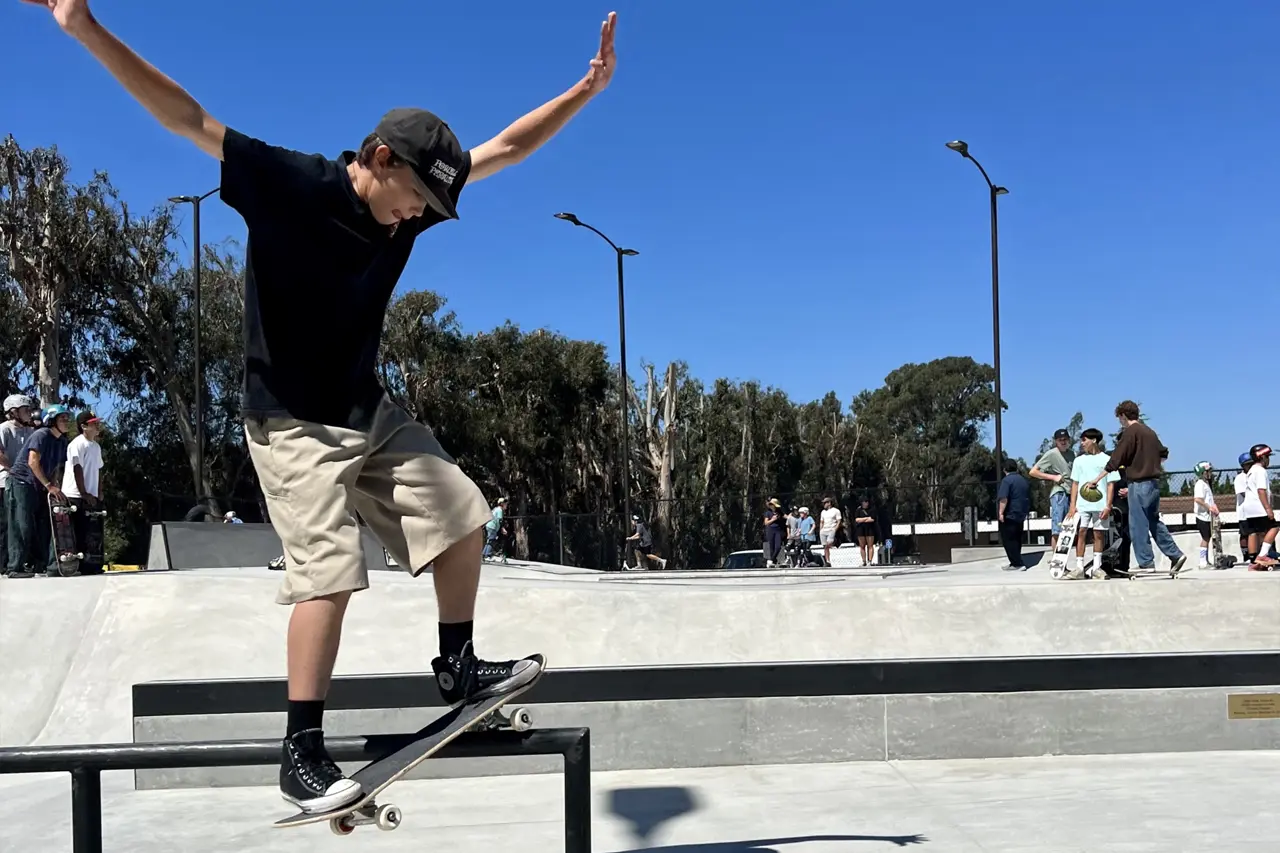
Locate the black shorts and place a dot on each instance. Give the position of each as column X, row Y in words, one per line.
column 1260, row 524
column 1205, row 528
column 1244, row 527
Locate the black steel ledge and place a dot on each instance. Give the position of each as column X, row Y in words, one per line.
column 748, row 680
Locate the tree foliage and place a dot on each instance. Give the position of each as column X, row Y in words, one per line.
column 101, row 303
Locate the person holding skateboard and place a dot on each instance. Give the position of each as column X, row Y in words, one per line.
column 34, row 480
column 1092, row 504
column 1257, row 508
column 328, row 238
column 1206, row 508
column 82, row 484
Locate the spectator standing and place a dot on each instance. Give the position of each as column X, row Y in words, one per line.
column 774, row 526
column 807, row 530
column 18, row 424
column 1095, row 514
column 1139, row 452
column 82, row 480
column 33, row 479
column 865, row 528
column 1055, row 467
column 493, row 526
column 1206, row 508
column 830, row 524
column 1248, row 543
column 1013, row 502
column 1262, row 522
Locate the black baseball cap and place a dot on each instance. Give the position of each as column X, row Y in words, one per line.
column 1062, row 433
column 431, row 149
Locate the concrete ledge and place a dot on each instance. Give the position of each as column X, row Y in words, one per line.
column 179, row 545
column 781, row 730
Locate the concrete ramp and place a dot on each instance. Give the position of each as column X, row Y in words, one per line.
column 86, row 641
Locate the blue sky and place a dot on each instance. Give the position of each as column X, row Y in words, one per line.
column 784, row 177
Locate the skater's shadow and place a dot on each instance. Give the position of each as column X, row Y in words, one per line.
column 648, row 808
column 772, row 845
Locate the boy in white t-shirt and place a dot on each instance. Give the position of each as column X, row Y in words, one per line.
column 1257, row 507
column 1094, row 515
column 829, row 524
column 1206, row 509
column 82, row 479
column 1248, row 547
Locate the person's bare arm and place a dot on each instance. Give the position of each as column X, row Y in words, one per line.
column 78, row 473
column 33, row 460
column 168, row 102
column 531, row 131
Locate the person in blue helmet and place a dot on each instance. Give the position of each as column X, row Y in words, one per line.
column 33, row 477
column 1248, row 545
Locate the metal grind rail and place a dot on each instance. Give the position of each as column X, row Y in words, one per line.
column 85, row 763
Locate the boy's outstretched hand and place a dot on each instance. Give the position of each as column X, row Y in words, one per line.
column 601, row 66
column 70, row 14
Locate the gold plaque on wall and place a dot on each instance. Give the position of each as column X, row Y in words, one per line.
column 1253, row 706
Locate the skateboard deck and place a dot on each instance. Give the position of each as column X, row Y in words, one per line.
column 379, row 774
column 64, row 537
column 94, row 537
column 1066, row 545
column 1221, row 559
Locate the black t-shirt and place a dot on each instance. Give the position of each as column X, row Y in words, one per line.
column 646, row 538
column 319, row 274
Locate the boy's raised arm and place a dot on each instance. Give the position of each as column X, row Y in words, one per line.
column 176, row 110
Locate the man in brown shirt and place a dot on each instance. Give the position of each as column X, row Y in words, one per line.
column 1139, row 453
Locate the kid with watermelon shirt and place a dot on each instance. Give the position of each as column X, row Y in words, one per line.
column 1094, row 506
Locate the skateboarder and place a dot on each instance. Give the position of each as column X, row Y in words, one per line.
column 81, row 483
column 19, row 422
column 328, row 239
column 1140, row 452
column 33, row 478
column 1257, row 508
column 1206, row 508
column 1094, row 514
column 1248, row 542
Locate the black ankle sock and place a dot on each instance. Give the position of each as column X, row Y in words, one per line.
column 453, row 636
column 304, row 714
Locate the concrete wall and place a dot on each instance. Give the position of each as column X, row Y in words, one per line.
column 179, row 545
column 782, row 730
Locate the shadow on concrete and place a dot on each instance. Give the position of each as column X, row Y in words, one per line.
column 648, row 808
column 771, row 845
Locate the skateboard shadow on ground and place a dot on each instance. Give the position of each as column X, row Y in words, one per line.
column 774, row 845
column 648, row 808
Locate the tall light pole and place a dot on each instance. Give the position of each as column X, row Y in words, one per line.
column 962, row 148
column 622, row 367
column 194, row 201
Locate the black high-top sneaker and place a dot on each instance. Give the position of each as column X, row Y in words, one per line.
column 464, row 676
column 309, row 778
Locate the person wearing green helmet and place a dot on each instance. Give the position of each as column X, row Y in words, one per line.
column 32, row 479
column 1206, row 508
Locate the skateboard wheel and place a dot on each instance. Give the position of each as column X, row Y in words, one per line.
column 387, row 817
column 521, row 720
column 342, row 826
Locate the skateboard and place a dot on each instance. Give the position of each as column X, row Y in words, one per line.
column 64, row 537
column 1066, row 545
column 1221, row 559
column 381, row 773
column 94, row 537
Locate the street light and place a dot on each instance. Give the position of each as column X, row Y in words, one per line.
column 622, row 366
column 194, row 201
column 962, row 148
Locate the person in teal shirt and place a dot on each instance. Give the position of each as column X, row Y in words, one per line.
column 492, row 528
column 1094, row 515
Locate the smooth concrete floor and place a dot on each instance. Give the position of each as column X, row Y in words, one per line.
column 1166, row 803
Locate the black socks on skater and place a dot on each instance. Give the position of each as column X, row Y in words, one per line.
column 454, row 636
column 304, row 714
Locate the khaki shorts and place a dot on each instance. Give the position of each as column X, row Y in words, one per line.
column 407, row 489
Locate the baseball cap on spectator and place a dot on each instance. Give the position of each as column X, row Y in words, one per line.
column 1062, row 433
column 87, row 418
column 1258, row 451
